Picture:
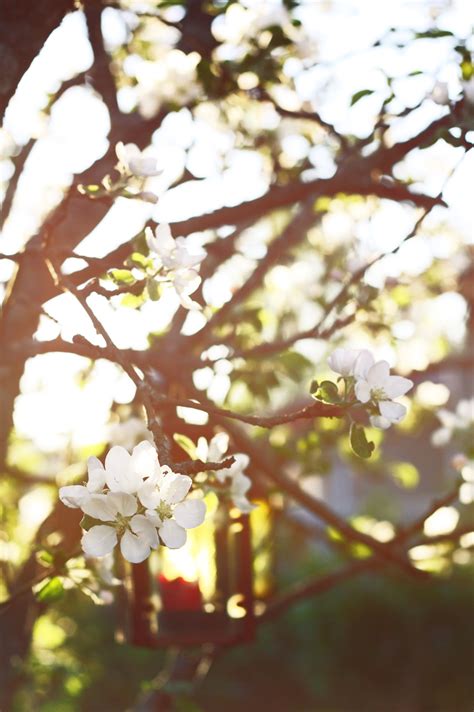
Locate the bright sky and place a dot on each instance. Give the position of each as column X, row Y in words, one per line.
column 75, row 134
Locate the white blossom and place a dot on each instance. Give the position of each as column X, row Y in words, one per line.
column 174, row 254
column 462, row 419
column 240, row 483
column 440, row 94
column 343, row 361
column 73, row 495
column 137, row 502
column 178, row 261
column 185, row 282
column 136, row 534
column 375, row 385
column 170, row 512
column 135, row 162
column 214, row 450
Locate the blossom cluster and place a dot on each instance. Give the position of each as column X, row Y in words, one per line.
column 372, row 384
column 234, row 476
column 135, row 502
column 179, row 263
column 132, row 161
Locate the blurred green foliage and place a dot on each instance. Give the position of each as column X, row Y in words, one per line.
column 371, row 645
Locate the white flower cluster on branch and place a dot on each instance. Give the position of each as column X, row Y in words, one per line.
column 134, row 501
column 179, row 263
column 371, row 384
column 233, row 477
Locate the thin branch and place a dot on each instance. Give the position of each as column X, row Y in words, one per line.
column 305, row 116
column 321, row 584
column 162, row 442
column 45, row 573
column 193, row 467
column 347, row 180
column 417, row 525
column 18, row 162
column 316, row 332
column 315, row 409
column 291, row 235
column 263, row 460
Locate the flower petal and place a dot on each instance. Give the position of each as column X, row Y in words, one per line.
column 397, row 386
column 363, row 363
column 119, row 475
column 392, row 411
column 240, row 485
column 149, row 495
column 378, row 421
column 172, row 534
column 145, row 460
column 73, row 495
column 362, row 391
column 218, row 447
column 99, row 540
column 96, row 475
column 342, row 361
column 190, row 513
column 378, row 374
column 100, row 507
column 243, row 504
column 153, row 517
column 134, row 548
column 117, row 458
column 241, row 463
column 143, row 527
column 175, row 487
column 164, row 239
column 125, row 504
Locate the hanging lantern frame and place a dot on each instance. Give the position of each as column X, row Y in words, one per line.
column 149, row 626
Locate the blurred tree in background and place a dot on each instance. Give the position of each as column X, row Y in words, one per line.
column 315, row 160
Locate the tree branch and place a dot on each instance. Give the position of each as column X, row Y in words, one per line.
column 312, row 410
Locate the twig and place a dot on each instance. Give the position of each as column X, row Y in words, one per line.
column 417, row 525
column 162, row 442
column 312, row 410
column 291, row 235
column 45, row 573
column 313, row 587
column 264, row 461
column 192, row 467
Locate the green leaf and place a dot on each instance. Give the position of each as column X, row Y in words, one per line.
column 328, row 392
column 132, row 301
column 153, row 288
column 124, row 276
column 87, row 522
column 44, row 557
column 360, row 95
column 52, row 590
column 294, row 364
column 141, row 260
column 434, row 33
column 359, row 443
column 185, row 444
